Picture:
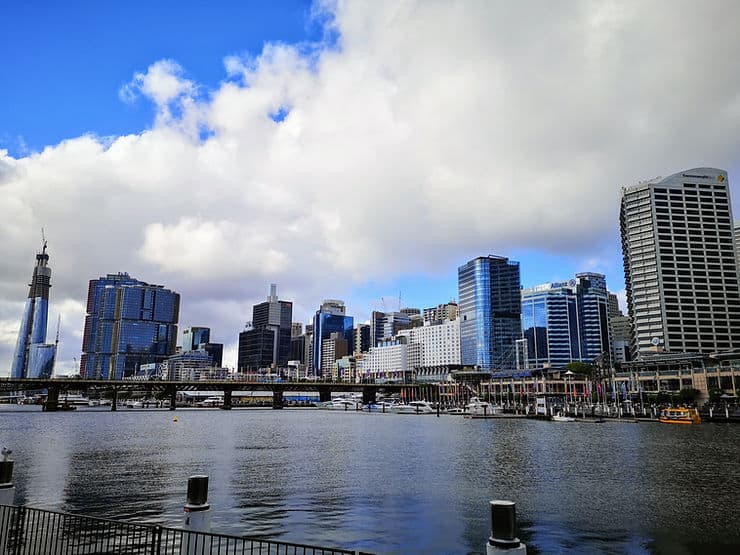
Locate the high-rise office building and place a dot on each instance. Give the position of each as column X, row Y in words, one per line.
column 361, row 339
column 128, row 323
column 330, row 318
column 195, row 336
column 440, row 313
column 33, row 357
column 679, row 263
column 296, row 329
column 490, row 312
column 267, row 343
column 384, row 325
column 566, row 321
column 198, row 338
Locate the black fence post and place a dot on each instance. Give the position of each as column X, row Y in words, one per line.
column 156, row 540
column 19, row 526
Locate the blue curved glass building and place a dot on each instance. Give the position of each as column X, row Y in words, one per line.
column 490, row 312
column 33, row 357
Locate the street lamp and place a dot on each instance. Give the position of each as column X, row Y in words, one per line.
column 568, row 377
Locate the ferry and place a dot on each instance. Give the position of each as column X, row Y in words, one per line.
column 679, row 415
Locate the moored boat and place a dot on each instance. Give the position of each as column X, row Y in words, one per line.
column 679, row 415
column 414, row 407
column 477, row 408
column 561, row 418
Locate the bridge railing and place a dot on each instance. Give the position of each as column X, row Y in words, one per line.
column 26, row 531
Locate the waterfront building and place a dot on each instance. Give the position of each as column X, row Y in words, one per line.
column 440, row 313
column 361, row 340
column 194, row 337
column 33, row 357
column 736, row 236
column 298, row 349
column 345, row 369
column 332, row 349
column 679, row 263
column 128, row 323
column 490, row 312
column 434, row 350
column 566, row 321
column 191, row 366
column 198, row 338
column 388, row 361
column 330, row 318
column 266, row 343
column 384, row 325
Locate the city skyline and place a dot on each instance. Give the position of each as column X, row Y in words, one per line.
column 341, row 151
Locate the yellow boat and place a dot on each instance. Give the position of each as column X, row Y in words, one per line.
column 679, row 415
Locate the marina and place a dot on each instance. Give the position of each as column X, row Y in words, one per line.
column 317, row 477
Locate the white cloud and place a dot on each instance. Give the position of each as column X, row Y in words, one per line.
column 430, row 132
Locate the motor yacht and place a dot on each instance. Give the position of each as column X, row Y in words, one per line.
column 415, row 407
column 341, row 403
column 479, row 408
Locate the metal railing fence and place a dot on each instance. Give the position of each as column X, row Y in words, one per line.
column 30, row 531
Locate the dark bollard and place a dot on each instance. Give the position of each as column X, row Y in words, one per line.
column 197, row 517
column 7, row 489
column 503, row 530
column 7, row 496
column 485, row 410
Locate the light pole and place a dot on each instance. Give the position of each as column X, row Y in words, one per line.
column 568, row 378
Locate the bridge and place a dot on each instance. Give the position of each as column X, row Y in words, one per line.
column 55, row 386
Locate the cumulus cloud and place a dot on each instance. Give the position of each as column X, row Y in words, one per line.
column 417, row 134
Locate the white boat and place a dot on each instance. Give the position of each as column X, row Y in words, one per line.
column 341, row 404
column 560, row 418
column 456, row 410
column 479, row 408
column 415, row 407
column 380, row 406
column 214, row 401
column 134, row 405
column 74, row 400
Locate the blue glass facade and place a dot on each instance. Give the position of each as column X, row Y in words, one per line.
column 566, row 322
column 128, row 323
column 324, row 324
column 490, row 312
column 33, row 358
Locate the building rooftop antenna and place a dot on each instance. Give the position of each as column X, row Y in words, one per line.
column 43, row 241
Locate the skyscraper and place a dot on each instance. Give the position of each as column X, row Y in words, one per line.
column 330, row 318
column 490, row 312
column 128, row 323
column 566, row 321
column 679, row 263
column 33, row 357
column 267, row 343
column 384, row 325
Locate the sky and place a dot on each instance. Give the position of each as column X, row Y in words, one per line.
column 352, row 150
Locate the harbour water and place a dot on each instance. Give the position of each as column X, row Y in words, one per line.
column 387, row 483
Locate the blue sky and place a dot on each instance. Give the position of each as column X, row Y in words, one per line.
column 416, row 136
column 69, row 60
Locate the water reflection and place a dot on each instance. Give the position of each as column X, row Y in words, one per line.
column 390, row 483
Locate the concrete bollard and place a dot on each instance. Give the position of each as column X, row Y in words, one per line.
column 503, row 538
column 197, row 517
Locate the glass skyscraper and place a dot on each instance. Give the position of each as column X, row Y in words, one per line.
column 267, row 343
column 490, row 312
column 128, row 323
column 33, row 357
column 330, row 318
column 566, row 321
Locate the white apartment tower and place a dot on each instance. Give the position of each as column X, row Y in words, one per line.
column 679, row 263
